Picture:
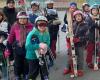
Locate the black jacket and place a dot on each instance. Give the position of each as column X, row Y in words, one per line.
column 80, row 30
column 10, row 15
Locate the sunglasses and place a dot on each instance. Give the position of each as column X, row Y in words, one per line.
column 42, row 24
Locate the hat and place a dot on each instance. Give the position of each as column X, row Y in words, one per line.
column 73, row 4
column 10, row 1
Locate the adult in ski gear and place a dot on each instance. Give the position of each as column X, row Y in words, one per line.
column 91, row 35
column 16, row 42
column 38, row 39
column 35, row 6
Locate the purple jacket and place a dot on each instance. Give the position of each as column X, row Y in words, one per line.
column 15, row 33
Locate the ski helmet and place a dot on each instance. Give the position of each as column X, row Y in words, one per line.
column 35, row 3
column 85, row 4
column 22, row 14
column 49, row 2
column 73, row 4
column 95, row 6
column 78, row 12
column 41, row 18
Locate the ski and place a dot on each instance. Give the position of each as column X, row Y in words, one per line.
column 73, row 56
column 97, row 37
column 44, row 66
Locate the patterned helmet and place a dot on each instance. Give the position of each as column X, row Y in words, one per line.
column 78, row 12
column 22, row 14
column 35, row 3
column 41, row 18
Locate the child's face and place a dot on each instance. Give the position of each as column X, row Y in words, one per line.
column 23, row 21
column 50, row 5
column 87, row 8
column 11, row 5
column 35, row 7
column 72, row 8
column 42, row 26
column 78, row 17
column 94, row 12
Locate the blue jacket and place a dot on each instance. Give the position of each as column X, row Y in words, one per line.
column 31, row 47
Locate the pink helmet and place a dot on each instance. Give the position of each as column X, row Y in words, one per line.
column 78, row 12
column 22, row 14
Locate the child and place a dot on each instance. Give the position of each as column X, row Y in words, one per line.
column 79, row 29
column 91, row 41
column 35, row 6
column 53, row 25
column 16, row 40
column 37, row 39
column 3, row 36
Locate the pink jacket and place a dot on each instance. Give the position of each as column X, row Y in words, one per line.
column 15, row 32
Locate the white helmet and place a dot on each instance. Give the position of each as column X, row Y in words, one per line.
column 22, row 14
column 41, row 18
column 49, row 2
column 35, row 3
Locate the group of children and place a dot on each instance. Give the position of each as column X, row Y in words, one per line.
column 86, row 26
column 26, row 35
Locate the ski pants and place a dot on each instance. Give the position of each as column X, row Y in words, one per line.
column 80, row 57
column 34, row 69
column 53, row 47
column 90, row 50
column 20, row 65
column 79, row 51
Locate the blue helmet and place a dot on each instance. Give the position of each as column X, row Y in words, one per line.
column 73, row 4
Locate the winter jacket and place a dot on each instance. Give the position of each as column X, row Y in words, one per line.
column 30, row 48
column 53, row 29
column 3, row 33
column 10, row 15
column 33, row 16
column 15, row 37
column 92, row 26
column 80, row 30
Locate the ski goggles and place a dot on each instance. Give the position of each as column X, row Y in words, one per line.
column 42, row 24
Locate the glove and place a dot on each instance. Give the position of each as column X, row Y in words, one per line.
column 43, row 45
column 43, row 52
column 6, row 53
column 76, row 40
